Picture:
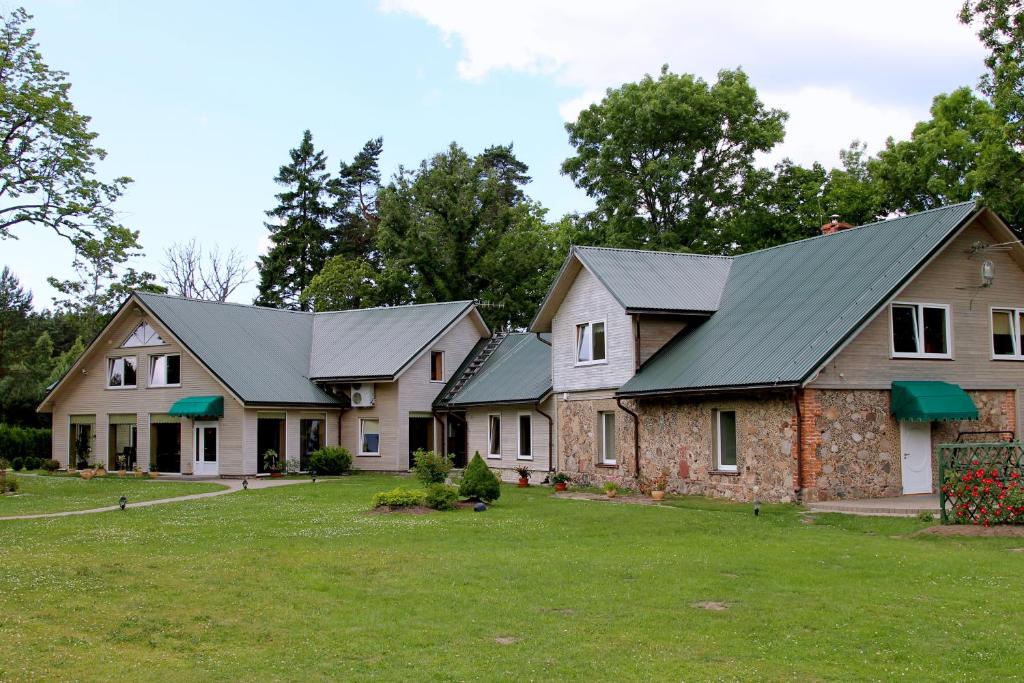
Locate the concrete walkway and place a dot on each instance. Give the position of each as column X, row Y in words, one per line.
column 897, row 506
column 230, row 486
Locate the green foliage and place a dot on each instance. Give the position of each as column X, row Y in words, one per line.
column 1001, row 30
column 9, row 483
column 50, row 465
column 22, row 442
column 479, row 482
column 343, row 283
column 431, row 467
column 665, row 158
column 611, row 487
column 560, row 478
column 441, row 497
column 33, row 463
column 523, row 471
column 398, row 498
column 331, row 461
column 18, row 464
column 271, row 460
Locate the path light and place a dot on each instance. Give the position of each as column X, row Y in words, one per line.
column 312, row 473
column 479, row 507
column 757, row 507
column 122, row 502
column 245, row 484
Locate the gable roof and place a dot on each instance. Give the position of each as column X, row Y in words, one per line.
column 517, row 371
column 642, row 281
column 262, row 354
column 786, row 309
column 341, row 348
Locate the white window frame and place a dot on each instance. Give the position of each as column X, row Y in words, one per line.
column 362, row 420
column 1015, row 321
column 110, row 362
column 126, row 345
column 152, row 367
column 920, row 306
column 519, row 436
column 493, row 456
column 576, row 344
column 436, row 381
column 602, row 456
column 719, row 467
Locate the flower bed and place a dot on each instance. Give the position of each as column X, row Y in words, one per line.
column 982, row 483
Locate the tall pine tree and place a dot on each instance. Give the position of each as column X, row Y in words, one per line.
column 301, row 234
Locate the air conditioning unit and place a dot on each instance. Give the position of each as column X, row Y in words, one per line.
column 362, row 395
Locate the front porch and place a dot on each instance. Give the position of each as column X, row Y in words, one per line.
column 895, row 506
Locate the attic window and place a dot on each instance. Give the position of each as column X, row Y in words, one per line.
column 920, row 331
column 144, row 335
column 590, row 343
column 437, row 366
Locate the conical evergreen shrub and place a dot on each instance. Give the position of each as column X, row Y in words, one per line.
column 479, row 482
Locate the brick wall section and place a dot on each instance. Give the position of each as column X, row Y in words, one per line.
column 808, row 465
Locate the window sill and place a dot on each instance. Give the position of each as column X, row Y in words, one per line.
column 725, row 473
column 587, row 363
column 493, row 456
column 368, row 455
column 1009, row 358
column 525, row 457
column 921, row 356
column 134, row 386
column 609, row 465
column 163, row 386
column 437, row 381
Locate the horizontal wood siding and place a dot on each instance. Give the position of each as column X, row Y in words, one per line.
column 477, row 419
column 952, row 278
column 385, row 409
column 588, row 300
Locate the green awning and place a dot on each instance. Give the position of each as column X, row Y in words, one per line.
column 927, row 401
column 198, row 406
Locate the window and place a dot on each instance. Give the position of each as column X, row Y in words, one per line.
column 144, row 335
column 607, row 447
column 437, row 366
column 369, row 436
column 165, row 371
column 525, row 437
column 590, row 343
column 494, row 436
column 311, row 439
column 1007, row 341
column 121, row 372
column 920, row 331
column 725, row 440
column 121, row 442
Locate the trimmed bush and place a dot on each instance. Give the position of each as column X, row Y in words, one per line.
column 33, row 463
column 22, row 442
column 398, row 498
column 9, row 484
column 479, row 482
column 4, row 464
column 18, row 464
column 51, row 465
column 431, row 467
column 441, row 497
column 331, row 461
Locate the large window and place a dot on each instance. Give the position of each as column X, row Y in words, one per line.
column 590, row 343
column 525, row 437
column 1007, row 342
column 607, row 447
column 165, row 371
column 725, row 440
column 369, row 436
column 494, row 436
column 144, row 335
column 311, row 439
column 920, row 331
column 437, row 366
column 121, row 372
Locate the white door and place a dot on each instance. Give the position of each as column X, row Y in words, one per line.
column 206, row 449
column 916, row 446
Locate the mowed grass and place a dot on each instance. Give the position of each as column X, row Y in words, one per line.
column 302, row 583
column 46, row 493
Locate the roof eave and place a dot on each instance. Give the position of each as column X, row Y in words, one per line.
column 708, row 391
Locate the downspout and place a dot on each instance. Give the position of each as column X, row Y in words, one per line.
column 797, row 395
column 636, row 437
column 541, row 339
column 551, row 437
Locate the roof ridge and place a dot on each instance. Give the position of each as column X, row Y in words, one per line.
column 220, row 303
column 845, row 231
column 651, row 251
column 464, row 302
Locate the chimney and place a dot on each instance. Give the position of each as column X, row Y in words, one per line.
column 834, row 226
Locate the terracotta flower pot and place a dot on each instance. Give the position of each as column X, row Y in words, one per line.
column 657, row 495
column 139, row 474
column 611, row 494
column 101, row 471
column 153, row 475
column 560, row 486
column 523, row 482
column 122, row 473
column 86, row 474
column 276, row 475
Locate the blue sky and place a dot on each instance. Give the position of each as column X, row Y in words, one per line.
column 200, row 102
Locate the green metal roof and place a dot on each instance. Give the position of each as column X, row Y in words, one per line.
column 198, row 406
column 518, row 371
column 784, row 310
column 927, row 401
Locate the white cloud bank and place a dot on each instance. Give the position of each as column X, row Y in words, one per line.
column 842, row 70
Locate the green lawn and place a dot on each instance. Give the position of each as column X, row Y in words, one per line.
column 59, row 493
column 301, row 583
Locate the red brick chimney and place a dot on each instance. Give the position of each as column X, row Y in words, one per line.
column 834, row 226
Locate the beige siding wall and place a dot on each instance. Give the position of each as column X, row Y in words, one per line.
column 385, row 409
column 588, row 300
column 87, row 394
column 655, row 331
column 951, row 278
column 292, row 431
column 477, row 419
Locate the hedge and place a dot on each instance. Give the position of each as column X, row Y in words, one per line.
column 24, row 442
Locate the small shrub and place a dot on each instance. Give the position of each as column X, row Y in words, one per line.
column 398, row 498
column 331, row 461
column 523, row 471
column 431, row 467
column 271, row 460
column 4, row 464
column 51, row 465
column 9, row 484
column 560, row 478
column 611, row 487
column 441, row 497
column 926, row 516
column 292, row 465
column 18, row 464
column 33, row 463
column 479, row 482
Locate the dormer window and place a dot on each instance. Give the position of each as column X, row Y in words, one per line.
column 590, row 343
column 144, row 335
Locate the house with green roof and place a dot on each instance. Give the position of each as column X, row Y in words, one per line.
column 825, row 368
column 194, row 387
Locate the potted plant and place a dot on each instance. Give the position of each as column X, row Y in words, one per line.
column 137, row 471
column 122, row 464
column 98, row 469
column 86, row 474
column 560, row 480
column 152, row 473
column 524, row 476
column 611, row 489
column 272, row 463
column 658, row 485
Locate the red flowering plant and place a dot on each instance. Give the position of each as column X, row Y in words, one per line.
column 984, row 494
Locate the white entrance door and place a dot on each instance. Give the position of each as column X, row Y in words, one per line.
column 916, row 445
column 206, row 449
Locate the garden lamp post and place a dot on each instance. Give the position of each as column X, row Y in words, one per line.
column 123, row 502
column 312, row 474
column 245, row 484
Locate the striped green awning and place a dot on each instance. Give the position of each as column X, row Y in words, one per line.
column 927, row 401
column 198, row 406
